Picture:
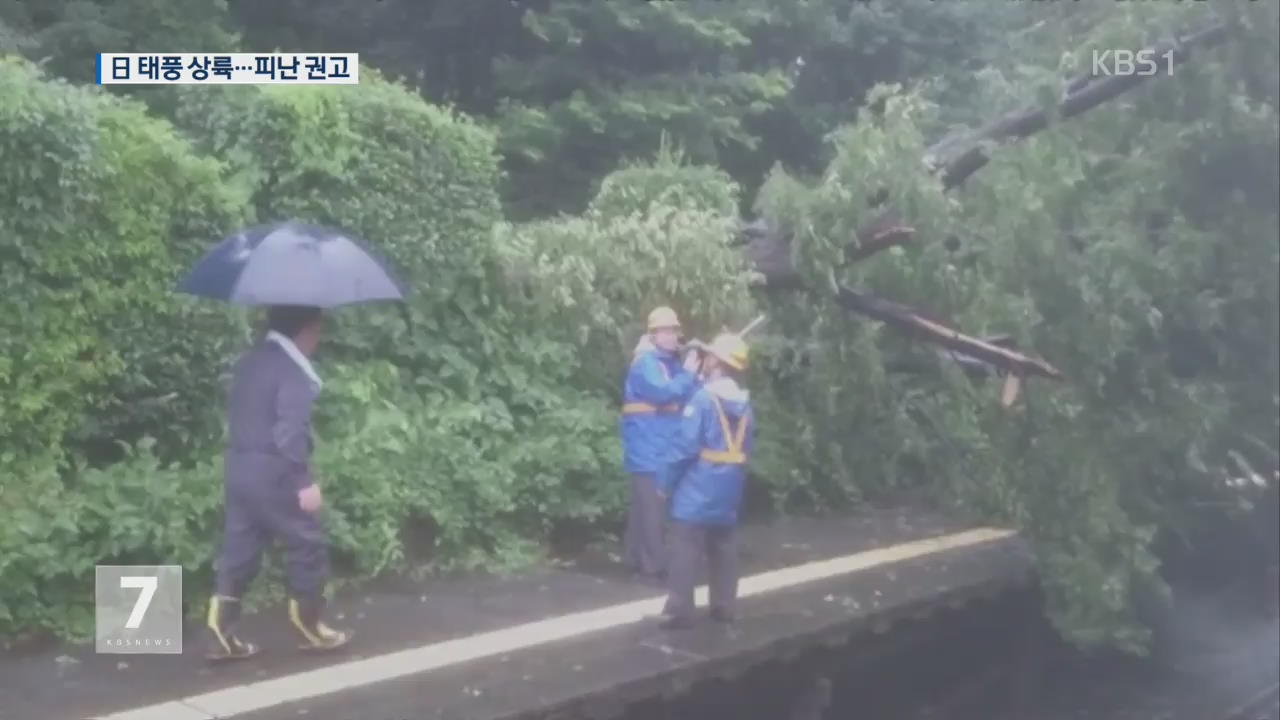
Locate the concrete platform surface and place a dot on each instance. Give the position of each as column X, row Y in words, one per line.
column 551, row 638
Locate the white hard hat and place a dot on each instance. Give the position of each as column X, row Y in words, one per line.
column 663, row 317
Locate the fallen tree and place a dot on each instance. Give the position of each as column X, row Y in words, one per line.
column 954, row 159
column 918, row 326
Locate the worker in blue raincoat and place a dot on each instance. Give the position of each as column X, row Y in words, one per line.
column 655, row 390
column 704, row 479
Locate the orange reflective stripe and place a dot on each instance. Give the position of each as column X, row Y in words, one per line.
column 733, row 454
column 723, row 457
column 643, row 408
column 640, row 408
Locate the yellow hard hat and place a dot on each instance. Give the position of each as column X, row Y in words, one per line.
column 731, row 350
column 663, row 317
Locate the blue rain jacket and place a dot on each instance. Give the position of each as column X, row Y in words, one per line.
column 653, row 395
column 707, row 471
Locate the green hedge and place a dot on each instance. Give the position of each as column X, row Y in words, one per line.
column 108, row 206
column 456, row 440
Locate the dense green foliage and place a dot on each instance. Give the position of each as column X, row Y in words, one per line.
column 107, row 206
column 740, row 86
column 1097, row 245
column 573, row 87
column 1135, row 248
column 67, row 34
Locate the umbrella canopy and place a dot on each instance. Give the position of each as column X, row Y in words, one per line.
column 291, row 263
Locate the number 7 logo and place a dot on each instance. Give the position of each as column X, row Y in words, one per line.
column 148, row 586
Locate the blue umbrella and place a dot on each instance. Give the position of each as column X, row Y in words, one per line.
column 291, row 263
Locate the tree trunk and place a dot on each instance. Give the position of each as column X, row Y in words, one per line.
column 915, row 324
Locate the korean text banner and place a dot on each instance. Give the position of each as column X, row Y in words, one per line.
column 228, row 68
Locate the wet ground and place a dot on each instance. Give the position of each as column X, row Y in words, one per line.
column 959, row 663
column 913, row 640
column 634, row 660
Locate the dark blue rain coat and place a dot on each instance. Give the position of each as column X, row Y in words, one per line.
column 707, row 470
column 653, row 395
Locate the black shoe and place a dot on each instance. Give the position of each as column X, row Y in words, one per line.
column 316, row 636
column 224, row 644
column 723, row 616
column 675, row 622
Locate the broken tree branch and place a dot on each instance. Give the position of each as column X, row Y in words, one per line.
column 914, row 323
column 956, row 157
column 769, row 250
column 886, row 231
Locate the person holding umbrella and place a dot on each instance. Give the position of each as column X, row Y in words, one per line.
column 269, row 487
column 270, row 491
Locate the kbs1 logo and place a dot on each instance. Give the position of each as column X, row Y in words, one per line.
column 138, row 609
column 1128, row 62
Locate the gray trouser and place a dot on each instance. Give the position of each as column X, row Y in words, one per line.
column 689, row 544
column 257, row 510
column 643, row 544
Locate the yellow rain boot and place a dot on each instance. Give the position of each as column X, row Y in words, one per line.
column 224, row 644
column 316, row 636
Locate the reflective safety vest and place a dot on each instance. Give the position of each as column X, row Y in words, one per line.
column 731, row 455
